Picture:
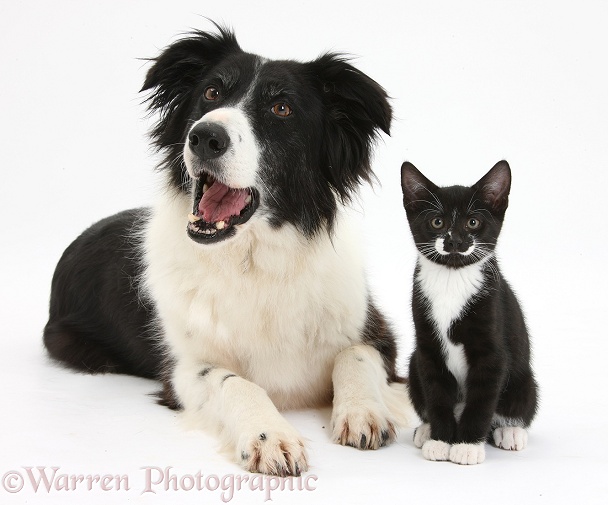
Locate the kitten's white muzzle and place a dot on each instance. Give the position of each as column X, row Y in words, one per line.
column 440, row 247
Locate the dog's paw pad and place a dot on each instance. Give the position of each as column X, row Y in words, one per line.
column 422, row 434
column 467, row 454
column 436, row 450
column 278, row 453
column 511, row 438
column 363, row 428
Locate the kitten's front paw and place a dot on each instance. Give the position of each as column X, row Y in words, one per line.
column 468, row 454
column 436, row 450
column 511, row 438
column 279, row 453
column 422, row 434
column 362, row 426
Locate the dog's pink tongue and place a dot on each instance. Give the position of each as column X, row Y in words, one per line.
column 221, row 202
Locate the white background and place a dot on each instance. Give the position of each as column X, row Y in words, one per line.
column 471, row 83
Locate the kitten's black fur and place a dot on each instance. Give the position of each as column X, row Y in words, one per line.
column 490, row 326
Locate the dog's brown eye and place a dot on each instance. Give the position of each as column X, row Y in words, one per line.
column 437, row 223
column 212, row 93
column 281, row 110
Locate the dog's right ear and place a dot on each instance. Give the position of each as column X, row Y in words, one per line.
column 175, row 75
column 184, row 62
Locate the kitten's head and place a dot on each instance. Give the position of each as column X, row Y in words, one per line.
column 457, row 225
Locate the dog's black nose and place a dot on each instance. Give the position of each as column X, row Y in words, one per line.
column 208, row 140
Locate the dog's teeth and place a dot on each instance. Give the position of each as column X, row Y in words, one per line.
column 220, row 225
column 192, row 218
column 248, row 199
column 205, row 187
column 208, row 231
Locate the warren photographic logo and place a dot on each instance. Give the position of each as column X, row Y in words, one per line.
column 151, row 480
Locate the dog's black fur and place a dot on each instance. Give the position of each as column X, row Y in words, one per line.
column 100, row 320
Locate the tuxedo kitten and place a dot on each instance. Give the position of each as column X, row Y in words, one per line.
column 470, row 374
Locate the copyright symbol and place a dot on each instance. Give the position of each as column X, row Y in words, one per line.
column 12, row 482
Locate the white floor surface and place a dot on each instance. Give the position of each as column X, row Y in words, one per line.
column 471, row 83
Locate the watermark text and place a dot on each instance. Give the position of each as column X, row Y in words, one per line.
column 152, row 480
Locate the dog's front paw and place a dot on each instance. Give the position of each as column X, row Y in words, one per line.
column 363, row 427
column 279, row 453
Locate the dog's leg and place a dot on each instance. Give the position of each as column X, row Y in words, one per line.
column 243, row 415
column 367, row 410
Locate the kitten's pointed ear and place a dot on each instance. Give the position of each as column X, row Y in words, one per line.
column 494, row 187
column 416, row 187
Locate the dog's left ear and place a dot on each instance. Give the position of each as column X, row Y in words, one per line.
column 356, row 107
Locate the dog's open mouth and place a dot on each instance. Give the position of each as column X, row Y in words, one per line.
column 218, row 209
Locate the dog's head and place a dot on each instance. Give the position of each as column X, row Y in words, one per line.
column 280, row 140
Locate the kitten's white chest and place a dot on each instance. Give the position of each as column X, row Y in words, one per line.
column 448, row 291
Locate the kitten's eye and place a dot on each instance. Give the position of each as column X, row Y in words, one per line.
column 437, row 223
column 473, row 223
column 212, row 93
column 281, row 110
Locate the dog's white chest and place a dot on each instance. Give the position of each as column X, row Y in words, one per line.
column 271, row 306
column 274, row 333
column 448, row 292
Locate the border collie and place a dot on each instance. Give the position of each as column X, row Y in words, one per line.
column 243, row 288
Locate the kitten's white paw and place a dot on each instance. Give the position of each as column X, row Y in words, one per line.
column 422, row 434
column 468, row 454
column 279, row 453
column 511, row 438
column 436, row 450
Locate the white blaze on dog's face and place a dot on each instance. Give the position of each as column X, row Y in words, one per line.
column 243, row 134
column 231, row 153
column 222, row 157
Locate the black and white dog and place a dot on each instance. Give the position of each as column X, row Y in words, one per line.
column 243, row 288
